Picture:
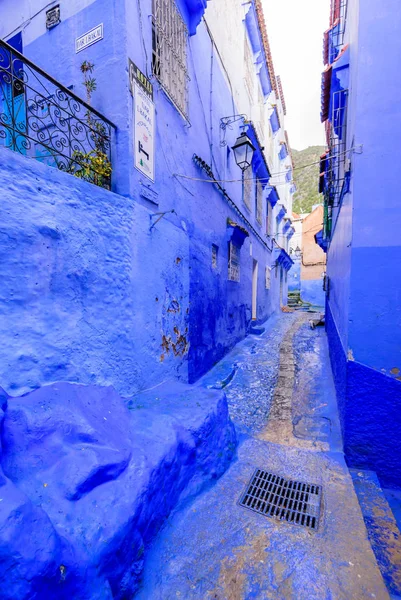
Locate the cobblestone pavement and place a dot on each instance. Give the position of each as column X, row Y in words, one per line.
column 249, row 374
column 281, row 396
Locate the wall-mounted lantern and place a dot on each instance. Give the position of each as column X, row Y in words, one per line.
column 243, row 151
column 297, row 252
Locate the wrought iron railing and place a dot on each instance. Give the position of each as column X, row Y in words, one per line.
column 42, row 119
column 337, row 159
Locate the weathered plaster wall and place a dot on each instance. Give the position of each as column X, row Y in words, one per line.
column 294, row 275
column 364, row 258
column 369, row 406
column 220, row 310
column 373, row 423
column 87, row 293
column 312, row 291
column 87, row 480
column 375, row 310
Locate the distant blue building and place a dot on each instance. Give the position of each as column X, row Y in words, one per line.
column 361, row 98
column 160, row 276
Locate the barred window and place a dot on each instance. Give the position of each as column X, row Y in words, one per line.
column 259, row 201
column 262, row 111
column 233, row 262
column 247, row 187
column 249, row 69
column 267, row 278
column 169, row 52
column 268, row 216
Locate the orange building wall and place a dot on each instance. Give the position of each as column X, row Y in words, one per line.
column 313, row 257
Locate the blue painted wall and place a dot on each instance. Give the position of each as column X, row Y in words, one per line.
column 312, row 291
column 84, row 329
column 84, row 296
column 294, row 275
column 364, row 256
column 377, row 211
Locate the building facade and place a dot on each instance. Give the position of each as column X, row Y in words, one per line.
column 360, row 108
column 159, row 275
column 307, row 274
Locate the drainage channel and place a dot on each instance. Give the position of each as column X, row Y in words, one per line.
column 275, row 496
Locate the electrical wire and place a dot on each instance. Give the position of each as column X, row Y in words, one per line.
column 28, row 21
column 261, row 179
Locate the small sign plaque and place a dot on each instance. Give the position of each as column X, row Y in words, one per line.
column 144, row 125
column 89, row 38
column 136, row 76
column 53, row 17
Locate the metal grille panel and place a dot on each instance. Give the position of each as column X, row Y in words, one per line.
column 169, row 59
column 284, row 499
column 233, row 262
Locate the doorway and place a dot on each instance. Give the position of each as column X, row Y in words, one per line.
column 12, row 97
column 254, row 290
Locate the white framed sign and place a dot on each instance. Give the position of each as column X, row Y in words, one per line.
column 144, row 131
column 89, row 38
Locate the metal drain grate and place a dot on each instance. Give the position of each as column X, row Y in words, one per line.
column 284, row 499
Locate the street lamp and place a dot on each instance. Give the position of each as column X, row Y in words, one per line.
column 243, row 151
column 298, row 252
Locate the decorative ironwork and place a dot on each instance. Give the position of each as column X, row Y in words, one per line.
column 338, row 25
column 42, row 119
column 169, row 52
column 337, row 159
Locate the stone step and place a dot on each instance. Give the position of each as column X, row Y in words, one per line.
column 381, row 525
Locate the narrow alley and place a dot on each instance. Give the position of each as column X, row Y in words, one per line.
column 200, row 300
column 215, row 548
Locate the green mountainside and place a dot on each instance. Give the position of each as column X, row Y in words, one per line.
column 306, row 180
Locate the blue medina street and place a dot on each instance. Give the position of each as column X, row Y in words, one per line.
column 175, row 419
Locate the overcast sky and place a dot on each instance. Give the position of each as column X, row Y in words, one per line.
column 295, row 29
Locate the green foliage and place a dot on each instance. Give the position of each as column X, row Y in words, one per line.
column 89, row 82
column 307, row 180
column 93, row 166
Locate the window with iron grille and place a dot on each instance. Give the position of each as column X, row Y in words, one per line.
column 268, row 216
column 247, row 187
column 169, row 52
column 262, row 110
column 249, row 69
column 233, row 262
column 267, row 278
column 259, row 201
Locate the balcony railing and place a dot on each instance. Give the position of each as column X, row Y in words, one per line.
column 42, row 119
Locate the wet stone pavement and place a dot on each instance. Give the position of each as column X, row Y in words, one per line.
column 281, row 398
column 250, row 372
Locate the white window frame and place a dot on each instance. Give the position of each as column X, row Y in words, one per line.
column 169, row 52
column 234, row 270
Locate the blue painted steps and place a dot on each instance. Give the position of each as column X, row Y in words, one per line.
column 381, row 525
